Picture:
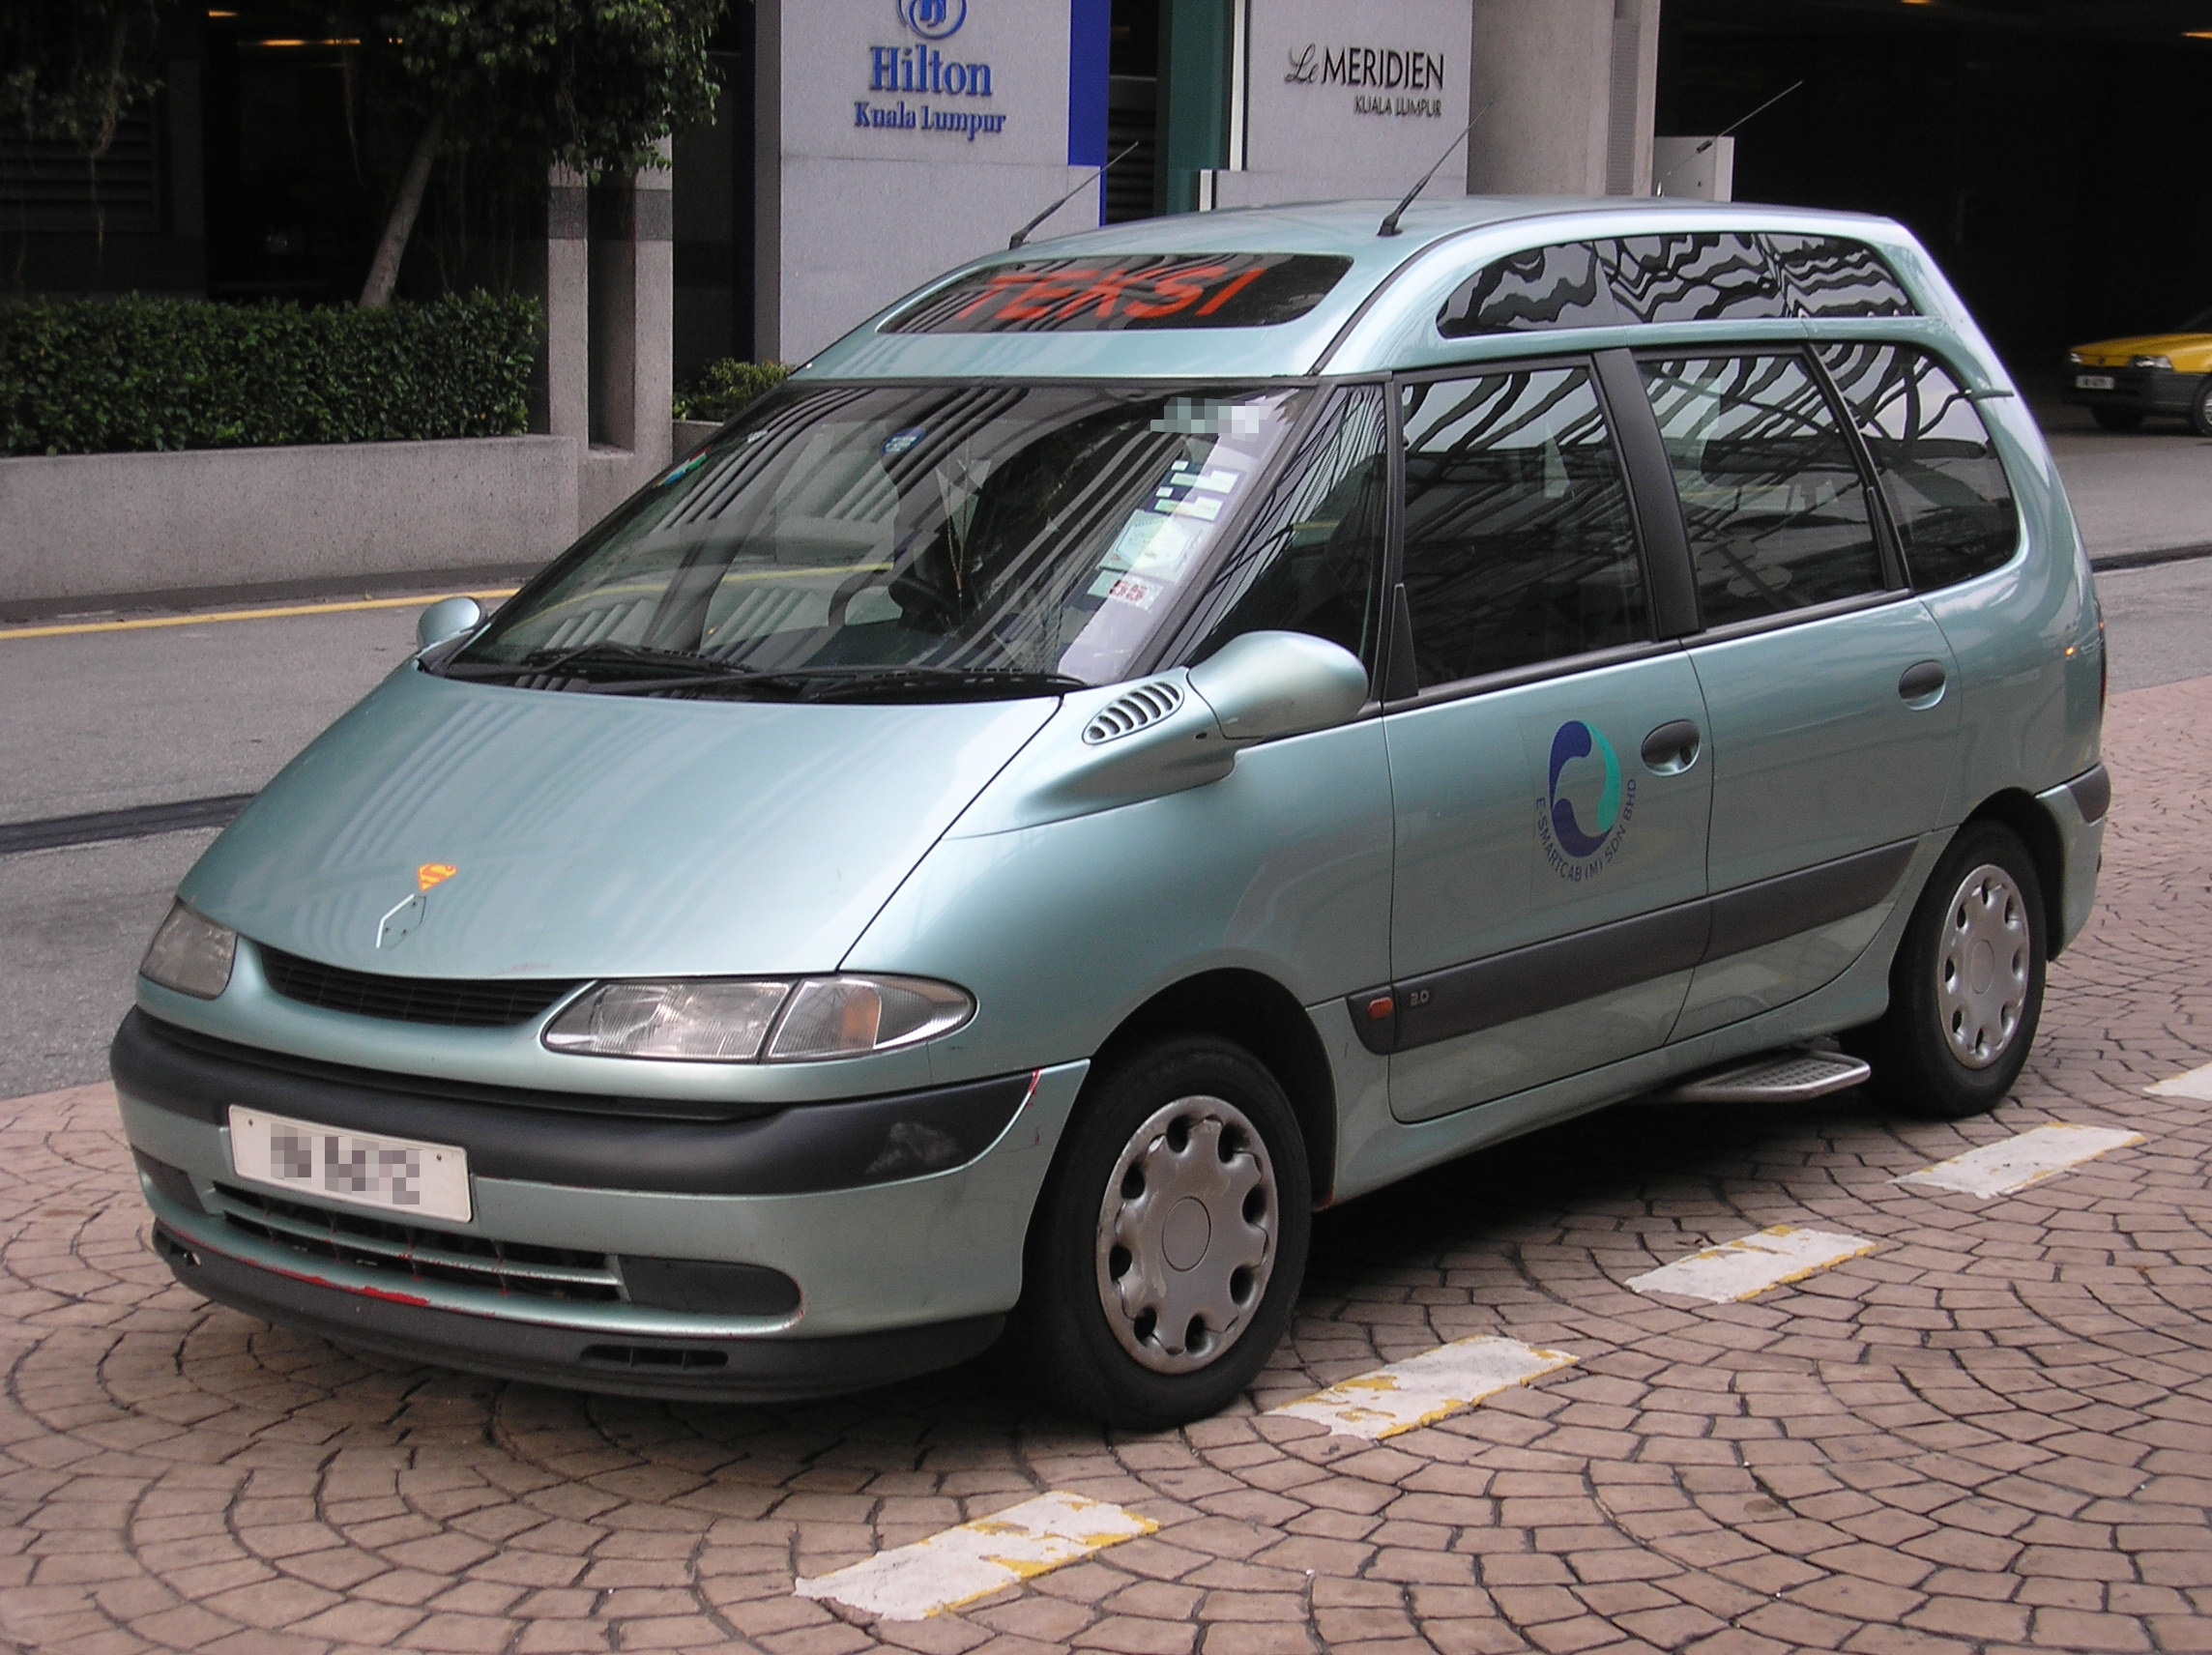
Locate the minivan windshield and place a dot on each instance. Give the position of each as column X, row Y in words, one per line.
column 915, row 542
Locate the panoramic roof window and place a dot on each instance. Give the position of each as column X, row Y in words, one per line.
column 1682, row 277
column 1126, row 290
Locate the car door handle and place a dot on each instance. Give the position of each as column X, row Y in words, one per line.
column 1922, row 682
column 1672, row 748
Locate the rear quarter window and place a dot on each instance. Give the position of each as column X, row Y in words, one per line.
column 1939, row 470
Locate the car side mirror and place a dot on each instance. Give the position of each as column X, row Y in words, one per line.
column 447, row 618
column 1267, row 684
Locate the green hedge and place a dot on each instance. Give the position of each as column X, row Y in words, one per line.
column 720, row 389
column 110, row 376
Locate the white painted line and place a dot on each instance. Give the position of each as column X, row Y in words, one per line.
column 2000, row 1169
column 1422, row 1390
column 1746, row 1268
column 2196, row 1084
column 913, row 1583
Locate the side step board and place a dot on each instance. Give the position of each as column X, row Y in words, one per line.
column 1772, row 1077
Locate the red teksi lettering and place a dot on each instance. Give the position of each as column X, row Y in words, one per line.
column 1039, row 301
column 1179, row 289
column 1106, row 292
column 1001, row 282
column 1231, row 290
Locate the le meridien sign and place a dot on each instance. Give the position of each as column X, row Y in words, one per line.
column 924, row 71
column 1387, row 81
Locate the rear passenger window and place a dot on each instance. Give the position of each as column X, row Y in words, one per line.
column 1827, row 276
column 1947, row 487
column 1520, row 545
column 1684, row 275
column 1772, row 499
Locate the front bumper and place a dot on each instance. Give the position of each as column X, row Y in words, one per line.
column 575, row 1280
column 2153, row 391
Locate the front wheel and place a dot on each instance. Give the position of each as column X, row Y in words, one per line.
column 1167, row 1251
column 2200, row 409
column 1966, row 987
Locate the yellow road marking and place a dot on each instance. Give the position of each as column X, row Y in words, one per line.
column 144, row 622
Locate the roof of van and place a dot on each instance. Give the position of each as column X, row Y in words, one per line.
column 1383, row 306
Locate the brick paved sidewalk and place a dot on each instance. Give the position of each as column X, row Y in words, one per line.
column 1993, row 1431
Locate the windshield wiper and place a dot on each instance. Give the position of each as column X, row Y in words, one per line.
column 581, row 660
column 856, row 683
column 926, row 683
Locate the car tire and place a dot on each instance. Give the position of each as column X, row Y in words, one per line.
column 1166, row 1250
column 1966, row 985
column 2116, row 418
column 2200, row 409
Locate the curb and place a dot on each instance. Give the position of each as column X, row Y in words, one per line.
column 2146, row 560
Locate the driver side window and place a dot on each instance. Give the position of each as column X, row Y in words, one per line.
column 1311, row 559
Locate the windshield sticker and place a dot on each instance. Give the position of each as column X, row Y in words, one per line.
column 1126, row 291
column 898, row 442
column 1132, row 590
column 685, row 469
column 1182, row 472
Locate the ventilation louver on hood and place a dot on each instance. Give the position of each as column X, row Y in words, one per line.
column 1140, row 709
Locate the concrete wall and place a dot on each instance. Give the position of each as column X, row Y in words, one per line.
column 1571, row 85
column 96, row 526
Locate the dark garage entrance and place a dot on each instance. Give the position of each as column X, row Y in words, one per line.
column 2053, row 154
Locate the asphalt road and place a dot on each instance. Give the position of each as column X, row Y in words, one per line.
column 114, row 720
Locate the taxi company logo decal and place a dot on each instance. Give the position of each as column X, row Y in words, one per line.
column 1577, row 852
column 397, row 926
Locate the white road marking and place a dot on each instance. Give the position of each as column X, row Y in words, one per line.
column 913, row 1583
column 1422, row 1390
column 1747, row 1267
column 2000, row 1169
column 2196, row 1084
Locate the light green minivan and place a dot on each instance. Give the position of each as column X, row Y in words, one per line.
column 1157, row 733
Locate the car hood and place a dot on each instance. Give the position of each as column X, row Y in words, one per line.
column 2116, row 353
column 595, row 835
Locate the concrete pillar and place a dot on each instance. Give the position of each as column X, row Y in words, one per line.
column 567, row 389
column 631, row 334
column 1571, row 85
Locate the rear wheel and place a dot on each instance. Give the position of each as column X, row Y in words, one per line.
column 1167, row 1251
column 2200, row 409
column 2117, row 419
column 1966, row 987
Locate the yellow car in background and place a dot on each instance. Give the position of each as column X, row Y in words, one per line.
column 2120, row 381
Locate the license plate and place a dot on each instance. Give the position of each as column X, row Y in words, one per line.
column 394, row 1174
column 2092, row 382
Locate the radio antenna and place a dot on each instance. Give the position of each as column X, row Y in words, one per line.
column 1389, row 224
column 1023, row 234
column 1660, row 188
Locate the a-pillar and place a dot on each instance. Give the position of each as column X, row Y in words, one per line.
column 1571, row 86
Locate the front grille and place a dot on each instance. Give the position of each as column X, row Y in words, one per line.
column 456, row 1002
column 407, row 1253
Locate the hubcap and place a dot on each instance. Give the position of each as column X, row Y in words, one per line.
column 1982, row 975
column 1186, row 1234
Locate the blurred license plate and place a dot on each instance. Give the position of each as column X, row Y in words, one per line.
column 2092, row 382
column 397, row 1174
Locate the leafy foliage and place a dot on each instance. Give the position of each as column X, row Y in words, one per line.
column 94, row 376
column 721, row 389
column 592, row 83
column 68, row 69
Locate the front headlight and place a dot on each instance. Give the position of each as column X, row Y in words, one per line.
column 190, row 954
column 732, row 1019
column 2077, row 358
column 2151, row 361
